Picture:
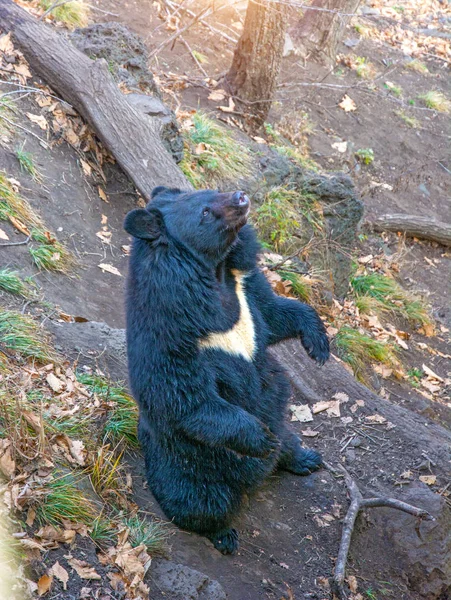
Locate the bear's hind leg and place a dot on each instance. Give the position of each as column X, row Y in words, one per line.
column 295, row 458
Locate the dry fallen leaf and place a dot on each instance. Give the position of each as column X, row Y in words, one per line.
column 309, row 432
column 60, row 573
column 82, row 568
column 39, row 120
column 3, row 235
column 217, row 95
column 109, row 269
column 229, row 108
column 431, row 373
column 347, row 104
column 352, row 582
column 376, row 419
column 332, row 407
column 102, row 194
column 44, row 584
column 301, row 413
column 340, row 146
column 428, row 479
column 7, row 463
column 55, row 383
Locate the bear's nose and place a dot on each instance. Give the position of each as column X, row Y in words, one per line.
column 240, row 198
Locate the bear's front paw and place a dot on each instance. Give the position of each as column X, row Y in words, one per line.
column 316, row 343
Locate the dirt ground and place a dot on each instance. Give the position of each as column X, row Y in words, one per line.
column 287, row 547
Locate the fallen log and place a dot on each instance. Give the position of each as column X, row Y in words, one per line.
column 132, row 137
column 312, row 383
column 415, row 226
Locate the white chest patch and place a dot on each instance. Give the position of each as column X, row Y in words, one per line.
column 240, row 340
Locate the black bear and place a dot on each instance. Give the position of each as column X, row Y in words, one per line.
column 212, row 399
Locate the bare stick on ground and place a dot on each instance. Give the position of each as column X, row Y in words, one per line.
column 415, row 226
column 358, row 503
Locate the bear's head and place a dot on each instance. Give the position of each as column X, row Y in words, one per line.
column 207, row 222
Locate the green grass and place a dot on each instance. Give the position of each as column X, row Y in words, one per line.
column 381, row 294
column 122, row 419
column 102, row 531
column 364, row 69
column 414, row 375
column 409, row 120
column 279, row 217
column 437, row 101
column 394, row 89
column 51, row 257
column 212, row 156
column 63, row 500
column 73, row 14
column 12, row 204
column 365, row 155
column 26, row 163
column 50, row 254
column 11, row 282
column 20, row 333
column 301, row 286
column 296, row 156
column 277, row 220
column 417, row 66
column 151, row 534
column 359, row 350
column 200, row 57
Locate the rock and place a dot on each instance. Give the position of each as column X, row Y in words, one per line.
column 342, row 212
column 127, row 58
column 178, row 582
column 424, row 553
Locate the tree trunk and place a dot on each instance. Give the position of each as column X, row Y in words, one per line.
column 256, row 62
column 132, row 137
column 415, row 226
column 319, row 32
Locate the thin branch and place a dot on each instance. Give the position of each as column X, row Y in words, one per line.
column 204, row 12
column 56, row 4
column 357, row 504
column 17, row 243
column 105, row 12
column 24, row 129
column 190, row 50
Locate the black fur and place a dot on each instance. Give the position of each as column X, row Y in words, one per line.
column 211, row 423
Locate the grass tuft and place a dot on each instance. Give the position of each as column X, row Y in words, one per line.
column 63, row 500
column 26, row 163
column 105, row 472
column 278, row 218
column 301, row 286
column 359, row 350
column 394, row 89
column 437, row 101
column 102, row 531
column 409, row 120
column 212, row 155
column 381, row 294
column 11, row 282
column 365, row 155
column 74, row 13
column 151, row 534
column 122, row 420
column 417, row 66
column 19, row 333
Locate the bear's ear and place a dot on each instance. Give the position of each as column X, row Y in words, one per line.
column 145, row 224
column 158, row 190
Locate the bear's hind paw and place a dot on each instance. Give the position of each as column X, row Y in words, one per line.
column 226, row 541
column 302, row 462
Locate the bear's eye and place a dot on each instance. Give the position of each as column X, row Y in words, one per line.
column 205, row 212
